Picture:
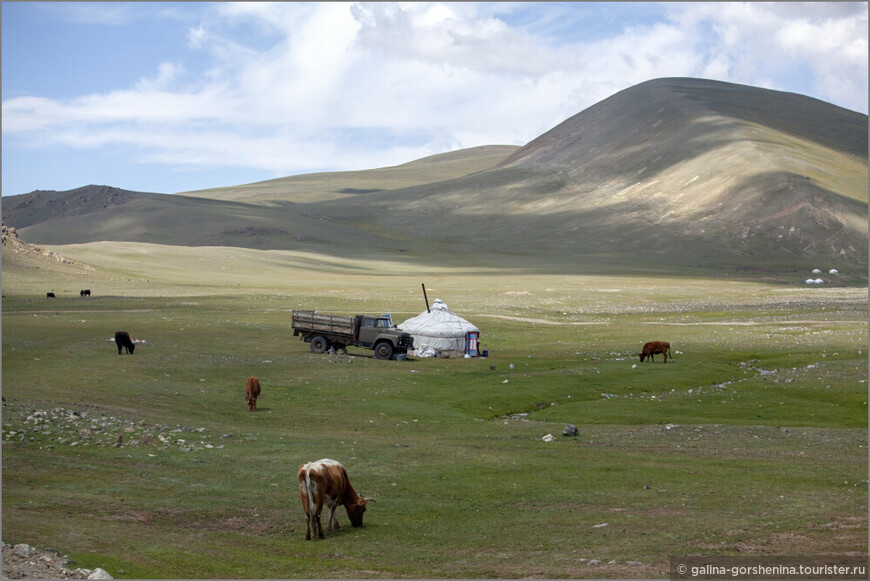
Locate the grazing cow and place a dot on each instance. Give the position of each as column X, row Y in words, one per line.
column 252, row 392
column 326, row 481
column 122, row 340
column 85, row 293
column 653, row 347
column 49, row 295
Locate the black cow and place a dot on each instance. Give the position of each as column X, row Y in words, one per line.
column 85, row 293
column 49, row 295
column 122, row 340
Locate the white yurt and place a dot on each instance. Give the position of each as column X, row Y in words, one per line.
column 441, row 332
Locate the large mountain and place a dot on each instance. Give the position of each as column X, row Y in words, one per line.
column 666, row 175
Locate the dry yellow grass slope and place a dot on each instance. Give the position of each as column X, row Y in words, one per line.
column 339, row 185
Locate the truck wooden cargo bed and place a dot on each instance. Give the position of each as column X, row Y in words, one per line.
column 320, row 322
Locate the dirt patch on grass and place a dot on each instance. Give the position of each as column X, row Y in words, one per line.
column 827, row 538
column 138, row 516
column 244, row 521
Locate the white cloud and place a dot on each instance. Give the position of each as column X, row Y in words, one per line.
column 297, row 87
column 167, row 75
column 455, row 35
column 767, row 44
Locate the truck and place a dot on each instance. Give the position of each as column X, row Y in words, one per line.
column 323, row 331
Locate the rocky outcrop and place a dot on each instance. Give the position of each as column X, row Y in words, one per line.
column 23, row 561
column 13, row 243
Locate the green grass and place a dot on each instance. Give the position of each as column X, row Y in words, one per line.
column 752, row 440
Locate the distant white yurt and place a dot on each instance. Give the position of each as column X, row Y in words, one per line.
column 440, row 331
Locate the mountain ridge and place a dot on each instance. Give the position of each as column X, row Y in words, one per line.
column 669, row 174
column 46, row 205
column 620, row 180
column 631, row 108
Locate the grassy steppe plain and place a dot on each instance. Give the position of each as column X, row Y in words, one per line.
column 753, row 440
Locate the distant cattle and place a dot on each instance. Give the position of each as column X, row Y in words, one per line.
column 49, row 295
column 85, row 293
column 252, row 392
column 654, row 347
column 122, row 340
column 326, row 481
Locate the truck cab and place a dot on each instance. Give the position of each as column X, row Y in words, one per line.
column 379, row 334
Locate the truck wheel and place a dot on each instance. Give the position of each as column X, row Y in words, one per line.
column 319, row 344
column 383, row 351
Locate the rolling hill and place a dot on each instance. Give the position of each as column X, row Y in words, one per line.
column 277, row 214
column 672, row 175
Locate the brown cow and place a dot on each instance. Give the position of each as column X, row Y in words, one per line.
column 252, row 392
column 326, row 481
column 123, row 341
column 653, row 347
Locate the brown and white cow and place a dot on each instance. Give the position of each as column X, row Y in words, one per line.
column 326, row 481
column 654, row 347
column 252, row 392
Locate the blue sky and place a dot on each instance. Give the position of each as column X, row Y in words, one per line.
column 171, row 97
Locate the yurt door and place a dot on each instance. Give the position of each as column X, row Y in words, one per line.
column 471, row 340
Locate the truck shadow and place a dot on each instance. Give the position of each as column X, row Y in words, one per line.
column 362, row 356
